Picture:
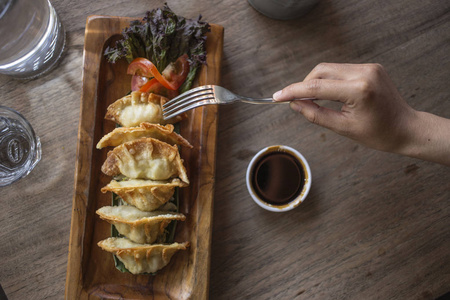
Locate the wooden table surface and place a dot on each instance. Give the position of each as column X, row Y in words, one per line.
column 374, row 226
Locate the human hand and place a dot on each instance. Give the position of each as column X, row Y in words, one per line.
column 373, row 112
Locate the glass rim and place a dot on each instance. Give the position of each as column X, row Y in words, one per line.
column 34, row 140
column 22, row 118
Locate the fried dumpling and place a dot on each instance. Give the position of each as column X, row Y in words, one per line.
column 146, row 195
column 139, row 107
column 141, row 258
column 138, row 226
column 126, row 134
column 145, row 158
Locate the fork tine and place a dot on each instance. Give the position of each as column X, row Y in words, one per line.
column 183, row 110
column 192, row 97
column 188, row 101
column 186, row 94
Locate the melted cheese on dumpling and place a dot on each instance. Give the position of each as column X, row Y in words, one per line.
column 139, row 107
column 134, row 115
column 156, row 169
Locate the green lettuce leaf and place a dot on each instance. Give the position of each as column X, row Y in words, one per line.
column 162, row 36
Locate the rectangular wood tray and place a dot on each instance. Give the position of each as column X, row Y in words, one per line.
column 91, row 273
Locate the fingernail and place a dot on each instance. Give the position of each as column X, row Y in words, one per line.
column 276, row 95
column 296, row 106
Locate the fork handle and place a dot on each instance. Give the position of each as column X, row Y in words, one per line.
column 266, row 100
column 259, row 100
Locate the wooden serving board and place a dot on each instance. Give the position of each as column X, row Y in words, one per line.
column 91, row 273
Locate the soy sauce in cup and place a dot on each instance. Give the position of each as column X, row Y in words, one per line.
column 278, row 178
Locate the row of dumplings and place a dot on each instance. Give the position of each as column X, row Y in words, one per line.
column 146, row 166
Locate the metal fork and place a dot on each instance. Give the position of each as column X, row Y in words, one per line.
column 205, row 95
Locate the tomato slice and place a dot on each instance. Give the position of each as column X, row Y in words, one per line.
column 172, row 77
column 151, row 85
column 154, row 86
column 177, row 71
column 143, row 67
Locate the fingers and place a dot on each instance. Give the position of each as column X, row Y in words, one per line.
column 321, row 89
column 330, row 71
column 338, row 82
column 328, row 118
column 340, row 71
column 356, row 86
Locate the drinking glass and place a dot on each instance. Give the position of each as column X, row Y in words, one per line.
column 32, row 38
column 20, row 148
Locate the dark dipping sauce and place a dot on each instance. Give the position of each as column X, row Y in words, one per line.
column 278, row 178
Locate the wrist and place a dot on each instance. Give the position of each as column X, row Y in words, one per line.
column 427, row 137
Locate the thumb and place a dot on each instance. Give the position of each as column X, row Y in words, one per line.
column 322, row 116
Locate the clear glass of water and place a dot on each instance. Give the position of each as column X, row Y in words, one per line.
column 32, row 38
column 20, row 148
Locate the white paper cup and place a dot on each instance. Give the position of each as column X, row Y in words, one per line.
column 300, row 195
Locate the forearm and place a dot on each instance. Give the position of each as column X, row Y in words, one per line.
column 428, row 138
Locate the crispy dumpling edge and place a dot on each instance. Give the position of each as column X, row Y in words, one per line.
column 146, row 229
column 164, row 216
column 113, row 111
column 110, row 166
column 141, row 252
column 114, row 138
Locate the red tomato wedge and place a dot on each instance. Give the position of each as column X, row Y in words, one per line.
column 149, row 86
column 177, row 71
column 154, row 86
column 173, row 76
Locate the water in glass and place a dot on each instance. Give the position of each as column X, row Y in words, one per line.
column 32, row 37
column 20, row 148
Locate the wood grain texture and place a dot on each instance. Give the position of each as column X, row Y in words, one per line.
column 91, row 273
column 374, row 226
